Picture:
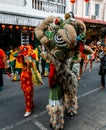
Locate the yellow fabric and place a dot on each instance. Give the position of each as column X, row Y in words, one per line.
column 36, row 52
column 36, row 77
column 15, row 77
column 18, row 64
column 11, row 56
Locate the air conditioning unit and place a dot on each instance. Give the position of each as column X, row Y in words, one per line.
column 93, row 17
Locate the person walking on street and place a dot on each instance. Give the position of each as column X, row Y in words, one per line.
column 3, row 65
column 81, row 66
column 27, row 87
column 89, row 59
column 102, row 69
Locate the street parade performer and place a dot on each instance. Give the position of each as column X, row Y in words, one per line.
column 26, row 51
column 63, row 40
column 29, row 75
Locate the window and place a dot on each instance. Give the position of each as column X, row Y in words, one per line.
column 74, row 8
column 51, row 0
column 97, row 10
column 49, row 6
column 87, row 9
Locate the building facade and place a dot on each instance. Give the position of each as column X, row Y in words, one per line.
column 93, row 13
column 19, row 18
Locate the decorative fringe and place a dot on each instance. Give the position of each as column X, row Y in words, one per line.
column 56, row 116
column 70, row 103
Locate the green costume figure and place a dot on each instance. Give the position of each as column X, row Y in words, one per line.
column 55, row 107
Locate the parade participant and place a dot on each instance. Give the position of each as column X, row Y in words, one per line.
column 37, row 52
column 27, row 87
column 81, row 67
column 89, row 59
column 3, row 65
column 18, row 65
column 12, row 59
column 43, row 61
column 102, row 69
column 59, row 38
column 81, row 41
column 55, row 107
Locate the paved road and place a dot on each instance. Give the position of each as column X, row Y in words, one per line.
column 91, row 100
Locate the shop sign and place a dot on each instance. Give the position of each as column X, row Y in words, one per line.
column 19, row 20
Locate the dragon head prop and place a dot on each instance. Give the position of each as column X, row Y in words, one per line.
column 62, row 38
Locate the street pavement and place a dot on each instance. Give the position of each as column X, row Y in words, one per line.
column 91, row 101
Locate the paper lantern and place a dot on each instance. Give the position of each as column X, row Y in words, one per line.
column 24, row 28
column 10, row 27
column 86, row 0
column 3, row 26
column 72, row 1
column 17, row 27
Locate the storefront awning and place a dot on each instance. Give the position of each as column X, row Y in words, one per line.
column 92, row 21
column 18, row 20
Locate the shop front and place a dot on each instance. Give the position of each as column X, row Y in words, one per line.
column 16, row 30
column 94, row 29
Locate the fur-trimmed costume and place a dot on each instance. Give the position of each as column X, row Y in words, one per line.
column 63, row 40
column 55, row 107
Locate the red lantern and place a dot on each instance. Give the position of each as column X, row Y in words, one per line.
column 24, row 28
column 86, row 0
column 3, row 26
column 10, row 27
column 72, row 1
column 17, row 27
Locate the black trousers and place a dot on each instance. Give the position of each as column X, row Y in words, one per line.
column 43, row 62
column 1, row 77
column 103, row 78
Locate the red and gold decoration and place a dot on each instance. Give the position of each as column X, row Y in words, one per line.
column 3, row 26
column 86, row 0
column 72, row 1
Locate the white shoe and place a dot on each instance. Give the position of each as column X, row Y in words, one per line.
column 27, row 114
